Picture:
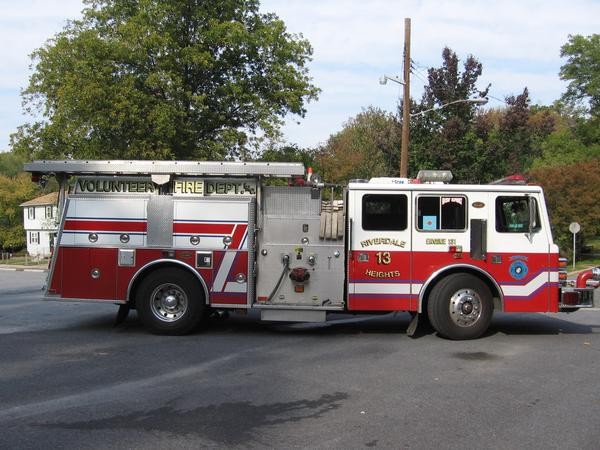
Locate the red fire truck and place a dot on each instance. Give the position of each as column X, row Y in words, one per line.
column 177, row 240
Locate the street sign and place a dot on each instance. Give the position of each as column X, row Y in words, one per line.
column 574, row 228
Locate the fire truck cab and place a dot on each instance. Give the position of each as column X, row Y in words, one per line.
column 177, row 240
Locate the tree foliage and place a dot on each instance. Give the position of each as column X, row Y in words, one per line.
column 163, row 79
column 582, row 71
column 572, row 192
column 13, row 192
column 565, row 147
column 10, row 164
column 367, row 146
column 516, row 145
column 443, row 137
column 289, row 153
column 447, row 84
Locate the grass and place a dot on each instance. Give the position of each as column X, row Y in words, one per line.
column 587, row 260
column 584, row 264
column 594, row 243
column 21, row 260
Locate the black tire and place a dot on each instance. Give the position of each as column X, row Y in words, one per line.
column 460, row 307
column 170, row 301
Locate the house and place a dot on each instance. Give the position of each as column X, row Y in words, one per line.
column 40, row 223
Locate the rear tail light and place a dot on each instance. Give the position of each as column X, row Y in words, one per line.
column 562, row 270
column 562, row 276
column 562, row 262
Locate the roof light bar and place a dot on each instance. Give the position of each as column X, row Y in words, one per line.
column 434, row 176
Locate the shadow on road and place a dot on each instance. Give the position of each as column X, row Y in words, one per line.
column 347, row 324
column 542, row 324
column 215, row 421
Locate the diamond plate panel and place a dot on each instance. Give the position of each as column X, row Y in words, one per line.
column 291, row 202
column 160, row 221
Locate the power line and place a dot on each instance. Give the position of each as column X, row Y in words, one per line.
column 419, row 65
column 416, row 65
column 496, row 98
column 416, row 74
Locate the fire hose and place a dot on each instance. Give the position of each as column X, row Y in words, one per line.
column 286, row 268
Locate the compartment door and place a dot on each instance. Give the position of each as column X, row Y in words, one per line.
column 379, row 277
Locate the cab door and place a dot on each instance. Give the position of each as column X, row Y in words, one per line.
column 518, row 248
column 379, row 271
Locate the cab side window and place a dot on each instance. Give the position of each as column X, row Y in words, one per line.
column 441, row 213
column 384, row 212
column 512, row 214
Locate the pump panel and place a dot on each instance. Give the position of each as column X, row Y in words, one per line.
column 296, row 267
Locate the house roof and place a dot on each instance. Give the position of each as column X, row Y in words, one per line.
column 48, row 199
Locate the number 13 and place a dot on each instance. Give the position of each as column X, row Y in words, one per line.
column 384, row 258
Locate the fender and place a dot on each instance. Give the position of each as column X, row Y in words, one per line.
column 458, row 268
column 166, row 261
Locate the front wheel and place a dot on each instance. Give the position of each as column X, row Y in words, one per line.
column 170, row 301
column 460, row 307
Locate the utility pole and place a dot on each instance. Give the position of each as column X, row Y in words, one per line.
column 405, row 102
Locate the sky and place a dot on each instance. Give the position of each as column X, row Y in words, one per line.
column 354, row 43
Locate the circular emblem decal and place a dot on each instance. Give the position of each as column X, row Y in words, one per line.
column 518, row 270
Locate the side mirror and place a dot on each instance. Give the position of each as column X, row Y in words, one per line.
column 532, row 214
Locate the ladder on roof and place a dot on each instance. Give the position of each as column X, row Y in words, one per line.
column 213, row 168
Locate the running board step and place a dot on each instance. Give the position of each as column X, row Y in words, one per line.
column 292, row 315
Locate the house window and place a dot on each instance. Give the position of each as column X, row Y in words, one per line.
column 384, row 212
column 49, row 212
column 441, row 213
column 31, row 213
column 34, row 237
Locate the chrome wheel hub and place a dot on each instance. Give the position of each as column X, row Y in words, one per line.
column 168, row 302
column 465, row 307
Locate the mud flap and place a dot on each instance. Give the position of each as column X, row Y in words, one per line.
column 122, row 314
column 412, row 326
column 419, row 325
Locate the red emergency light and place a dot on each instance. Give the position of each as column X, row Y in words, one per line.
column 511, row 179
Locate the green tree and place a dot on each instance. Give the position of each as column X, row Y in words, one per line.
column 564, row 147
column 582, row 71
column 289, row 153
column 10, row 164
column 368, row 146
column 444, row 138
column 13, row 192
column 277, row 152
column 163, row 79
column 574, row 136
column 580, row 104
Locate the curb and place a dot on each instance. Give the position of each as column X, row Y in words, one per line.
column 22, row 269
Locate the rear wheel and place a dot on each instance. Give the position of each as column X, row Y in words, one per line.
column 460, row 307
column 170, row 301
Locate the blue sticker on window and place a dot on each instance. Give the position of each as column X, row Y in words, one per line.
column 430, row 222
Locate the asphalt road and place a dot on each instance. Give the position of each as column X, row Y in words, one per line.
column 70, row 379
